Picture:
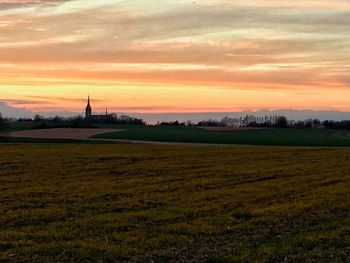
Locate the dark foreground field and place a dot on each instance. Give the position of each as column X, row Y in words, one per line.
column 107, row 203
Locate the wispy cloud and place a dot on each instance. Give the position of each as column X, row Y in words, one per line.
column 21, row 102
column 65, row 99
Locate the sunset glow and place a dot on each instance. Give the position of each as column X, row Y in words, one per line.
column 175, row 56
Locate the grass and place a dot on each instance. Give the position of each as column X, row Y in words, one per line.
column 108, row 203
column 276, row 137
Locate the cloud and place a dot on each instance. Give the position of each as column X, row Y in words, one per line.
column 65, row 99
column 8, row 4
column 19, row 102
column 9, row 111
column 251, row 45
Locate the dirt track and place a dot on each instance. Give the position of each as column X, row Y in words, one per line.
column 62, row 133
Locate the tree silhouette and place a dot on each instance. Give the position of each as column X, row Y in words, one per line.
column 38, row 118
column 282, row 122
column 2, row 123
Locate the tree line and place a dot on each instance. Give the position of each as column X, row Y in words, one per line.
column 251, row 121
column 41, row 122
column 248, row 121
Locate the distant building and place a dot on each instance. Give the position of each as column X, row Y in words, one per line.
column 102, row 118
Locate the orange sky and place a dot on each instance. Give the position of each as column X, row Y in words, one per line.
column 175, row 56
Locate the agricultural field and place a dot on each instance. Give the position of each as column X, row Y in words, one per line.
column 241, row 136
column 144, row 203
column 276, row 137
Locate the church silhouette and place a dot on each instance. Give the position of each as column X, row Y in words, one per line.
column 95, row 118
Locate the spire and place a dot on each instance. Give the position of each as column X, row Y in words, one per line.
column 106, row 112
column 88, row 110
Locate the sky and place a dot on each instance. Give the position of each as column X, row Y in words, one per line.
column 175, row 56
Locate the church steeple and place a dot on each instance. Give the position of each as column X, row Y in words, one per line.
column 88, row 110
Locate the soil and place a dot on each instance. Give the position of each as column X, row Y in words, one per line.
column 61, row 133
